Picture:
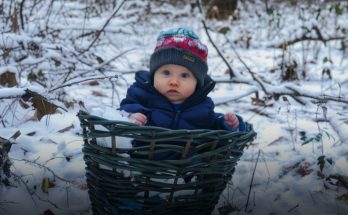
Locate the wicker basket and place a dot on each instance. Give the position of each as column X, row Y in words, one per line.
column 163, row 171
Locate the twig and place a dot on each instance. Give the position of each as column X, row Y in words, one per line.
column 230, row 70
column 321, row 99
column 292, row 92
column 26, row 187
column 84, row 80
column 304, row 37
column 248, row 69
column 106, row 23
column 6, row 202
column 264, row 160
column 235, row 98
column 310, row 194
column 99, row 67
column 293, row 208
column 251, row 181
column 47, row 200
column 45, row 167
column 21, row 13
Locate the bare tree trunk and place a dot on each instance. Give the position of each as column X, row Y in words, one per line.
column 220, row 9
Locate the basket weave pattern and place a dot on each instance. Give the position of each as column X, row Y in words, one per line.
column 132, row 181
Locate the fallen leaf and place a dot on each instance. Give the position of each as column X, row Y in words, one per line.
column 343, row 197
column 304, row 169
column 45, row 185
column 31, row 133
column 23, row 104
column 67, row 128
column 68, row 104
column 42, row 106
column 91, row 83
column 8, row 79
column 96, row 93
column 257, row 101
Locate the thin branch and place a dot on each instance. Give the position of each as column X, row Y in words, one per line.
column 230, row 70
column 246, row 66
column 21, row 5
column 26, row 187
column 45, row 167
column 293, row 208
column 304, row 37
column 292, row 92
column 321, row 99
column 251, row 181
column 80, row 81
column 98, row 33
column 235, row 98
column 99, row 67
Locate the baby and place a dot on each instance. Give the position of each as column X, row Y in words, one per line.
column 174, row 94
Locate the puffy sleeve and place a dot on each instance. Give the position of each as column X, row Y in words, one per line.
column 134, row 101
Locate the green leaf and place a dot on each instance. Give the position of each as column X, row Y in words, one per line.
column 327, row 60
column 338, row 9
column 329, row 160
column 307, row 141
column 318, row 137
column 321, row 162
column 45, row 185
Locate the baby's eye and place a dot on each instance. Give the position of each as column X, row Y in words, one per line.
column 185, row 75
column 166, row 72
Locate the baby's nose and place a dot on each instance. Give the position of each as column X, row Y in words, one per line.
column 174, row 81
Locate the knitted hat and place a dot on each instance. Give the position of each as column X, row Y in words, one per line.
column 181, row 47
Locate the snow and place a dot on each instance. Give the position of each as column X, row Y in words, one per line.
column 287, row 179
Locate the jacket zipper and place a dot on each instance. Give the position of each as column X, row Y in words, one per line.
column 176, row 119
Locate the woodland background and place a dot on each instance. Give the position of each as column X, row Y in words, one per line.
column 282, row 65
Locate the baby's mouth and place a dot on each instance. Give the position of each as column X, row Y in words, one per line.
column 172, row 91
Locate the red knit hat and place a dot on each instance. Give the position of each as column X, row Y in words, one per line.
column 181, row 47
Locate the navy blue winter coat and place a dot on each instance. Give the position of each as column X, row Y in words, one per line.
column 196, row 112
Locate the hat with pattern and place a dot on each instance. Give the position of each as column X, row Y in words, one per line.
column 181, row 47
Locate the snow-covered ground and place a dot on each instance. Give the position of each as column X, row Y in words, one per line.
column 277, row 173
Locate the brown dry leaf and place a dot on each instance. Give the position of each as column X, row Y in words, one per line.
column 91, row 83
column 82, row 105
column 69, row 104
column 320, row 175
column 343, row 197
column 8, row 79
column 5, row 144
column 23, row 104
column 42, row 106
column 96, row 93
column 66, row 129
column 45, row 185
column 257, row 101
column 285, row 99
column 48, row 140
column 81, row 185
column 224, row 30
column 304, row 169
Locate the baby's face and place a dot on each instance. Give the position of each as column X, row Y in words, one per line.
column 175, row 82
